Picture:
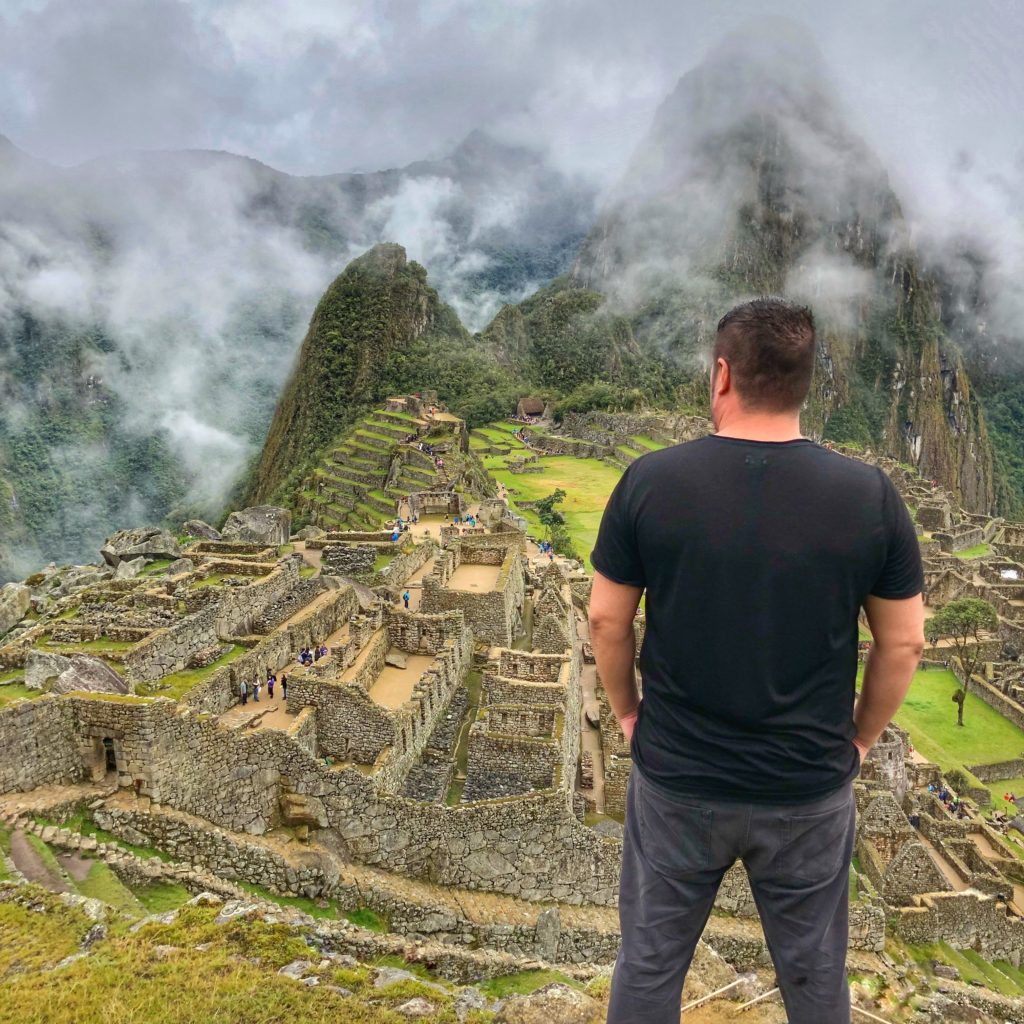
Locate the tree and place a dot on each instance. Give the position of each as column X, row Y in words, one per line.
column 554, row 522
column 962, row 622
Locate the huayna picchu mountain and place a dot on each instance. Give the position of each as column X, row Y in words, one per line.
column 749, row 182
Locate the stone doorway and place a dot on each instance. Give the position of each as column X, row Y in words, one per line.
column 109, row 756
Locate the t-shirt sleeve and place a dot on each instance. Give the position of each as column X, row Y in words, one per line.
column 902, row 574
column 616, row 554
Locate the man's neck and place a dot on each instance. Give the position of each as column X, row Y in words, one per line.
column 761, row 427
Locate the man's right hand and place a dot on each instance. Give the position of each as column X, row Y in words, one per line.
column 628, row 723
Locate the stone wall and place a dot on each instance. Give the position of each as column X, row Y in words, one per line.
column 38, row 744
column 233, row 613
column 966, row 921
column 349, row 559
column 999, row 770
column 220, row 692
column 493, row 616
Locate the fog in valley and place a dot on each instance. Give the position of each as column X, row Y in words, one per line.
column 183, row 180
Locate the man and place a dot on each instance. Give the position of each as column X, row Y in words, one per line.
column 405, row 598
column 757, row 549
column 243, row 689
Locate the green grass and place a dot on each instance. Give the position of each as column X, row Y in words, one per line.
column 8, row 676
column 101, row 645
column 215, row 579
column 102, row 884
column 178, row 684
column 523, row 983
column 929, row 715
column 648, row 442
column 16, row 691
column 978, row 551
column 588, row 483
column 156, row 567
column 158, row 897
column 30, row 940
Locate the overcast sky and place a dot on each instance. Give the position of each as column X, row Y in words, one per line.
column 317, row 86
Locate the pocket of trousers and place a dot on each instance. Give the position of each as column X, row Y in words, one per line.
column 813, row 844
column 675, row 837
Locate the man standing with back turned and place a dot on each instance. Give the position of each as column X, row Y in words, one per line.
column 757, row 549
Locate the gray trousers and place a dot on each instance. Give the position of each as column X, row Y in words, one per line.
column 675, row 853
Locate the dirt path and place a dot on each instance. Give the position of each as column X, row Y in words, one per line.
column 28, row 861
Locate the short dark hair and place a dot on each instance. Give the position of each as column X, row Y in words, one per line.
column 769, row 346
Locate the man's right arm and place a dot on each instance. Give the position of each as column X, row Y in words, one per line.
column 897, row 631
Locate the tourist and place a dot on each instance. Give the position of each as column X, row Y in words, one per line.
column 776, row 535
column 270, row 685
column 405, row 598
column 316, row 654
column 243, row 689
column 256, row 690
column 284, row 686
column 324, row 651
column 394, row 535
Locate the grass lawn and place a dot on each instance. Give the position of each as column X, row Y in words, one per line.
column 978, row 551
column 15, row 691
column 648, row 442
column 929, row 715
column 178, row 684
column 156, row 567
column 587, row 483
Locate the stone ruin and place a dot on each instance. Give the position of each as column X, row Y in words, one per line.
column 463, row 743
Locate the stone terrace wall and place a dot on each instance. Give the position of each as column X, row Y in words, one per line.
column 419, row 633
column 232, row 614
column 530, row 846
column 998, row 770
column 38, row 744
column 499, row 690
column 531, row 757
column 493, row 616
column 350, row 725
column 220, row 691
column 966, row 921
column 540, row 668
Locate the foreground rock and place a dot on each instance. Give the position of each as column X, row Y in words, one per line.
column 148, row 541
column 15, row 601
column 260, row 524
column 204, row 531
column 71, row 674
column 552, row 1003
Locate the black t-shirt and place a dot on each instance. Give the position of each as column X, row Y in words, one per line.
column 756, row 557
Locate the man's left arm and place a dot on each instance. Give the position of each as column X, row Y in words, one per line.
column 612, row 611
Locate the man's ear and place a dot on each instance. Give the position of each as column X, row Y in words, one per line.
column 722, row 377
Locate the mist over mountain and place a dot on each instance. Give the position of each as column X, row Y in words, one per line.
column 751, row 182
column 151, row 305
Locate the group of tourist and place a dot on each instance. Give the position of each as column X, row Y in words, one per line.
column 545, row 548
column 1010, row 798
column 307, row 656
column 247, row 689
column 521, row 435
column 953, row 803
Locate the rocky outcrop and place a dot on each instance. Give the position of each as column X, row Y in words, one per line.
column 197, row 528
column 260, row 524
column 149, row 542
column 71, row 674
column 379, row 305
column 15, row 601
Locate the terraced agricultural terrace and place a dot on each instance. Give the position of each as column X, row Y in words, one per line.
column 444, row 782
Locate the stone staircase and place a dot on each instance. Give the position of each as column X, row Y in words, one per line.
column 355, row 486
